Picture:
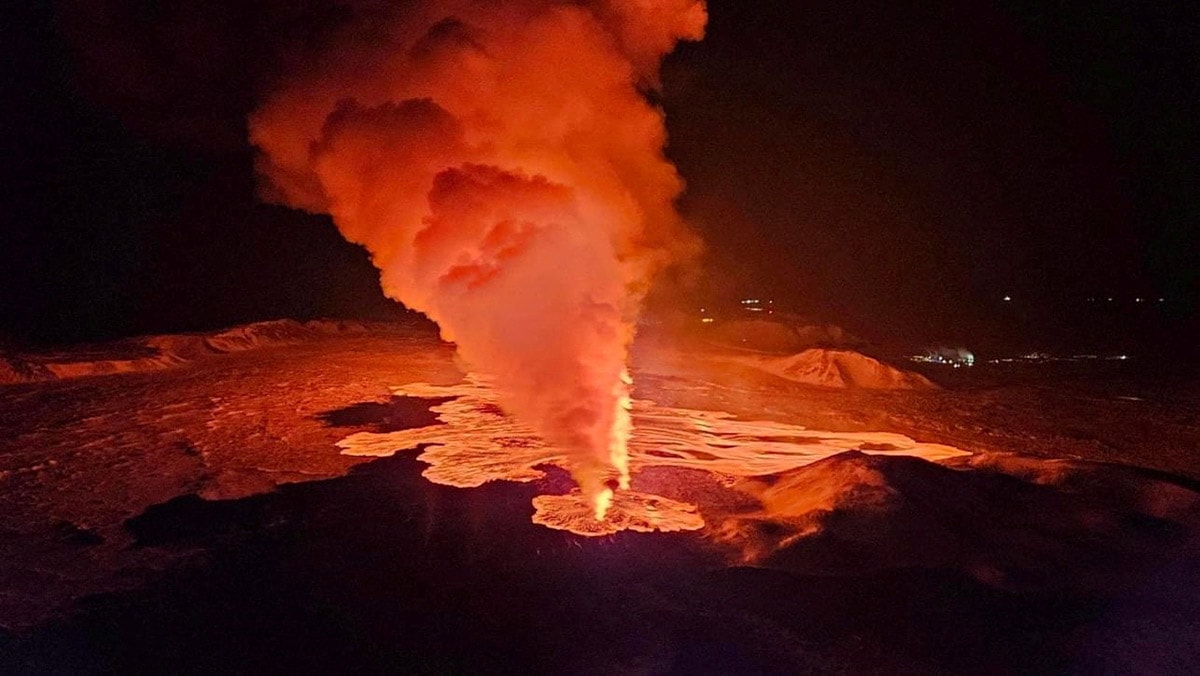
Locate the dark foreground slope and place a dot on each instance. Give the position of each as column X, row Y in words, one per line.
column 380, row 570
column 200, row 519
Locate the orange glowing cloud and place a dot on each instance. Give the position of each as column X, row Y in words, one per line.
column 501, row 165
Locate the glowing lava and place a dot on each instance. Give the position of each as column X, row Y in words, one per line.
column 618, row 450
column 631, row 510
column 476, row 442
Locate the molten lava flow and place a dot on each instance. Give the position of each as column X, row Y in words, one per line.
column 501, row 165
column 632, row 510
column 475, row 443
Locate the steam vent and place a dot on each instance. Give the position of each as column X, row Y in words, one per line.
column 600, row 336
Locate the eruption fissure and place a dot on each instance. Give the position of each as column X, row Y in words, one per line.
column 501, row 165
column 474, row 443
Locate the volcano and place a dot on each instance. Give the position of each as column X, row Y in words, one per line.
column 345, row 496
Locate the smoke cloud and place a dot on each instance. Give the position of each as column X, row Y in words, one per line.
column 506, row 173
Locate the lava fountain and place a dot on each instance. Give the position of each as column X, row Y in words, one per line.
column 506, row 173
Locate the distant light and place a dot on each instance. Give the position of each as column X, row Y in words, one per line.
column 1007, row 299
column 701, row 310
column 1137, row 300
column 1110, row 300
column 707, row 320
column 1162, row 300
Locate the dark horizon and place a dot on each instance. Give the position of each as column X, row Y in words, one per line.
column 893, row 170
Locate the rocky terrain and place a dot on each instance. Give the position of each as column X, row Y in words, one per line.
column 205, row 514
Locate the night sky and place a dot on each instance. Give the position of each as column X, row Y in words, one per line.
column 896, row 169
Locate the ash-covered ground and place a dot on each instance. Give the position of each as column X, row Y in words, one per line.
column 200, row 516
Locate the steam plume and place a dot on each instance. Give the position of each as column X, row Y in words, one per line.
column 501, row 165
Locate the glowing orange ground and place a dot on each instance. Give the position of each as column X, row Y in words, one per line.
column 477, row 443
